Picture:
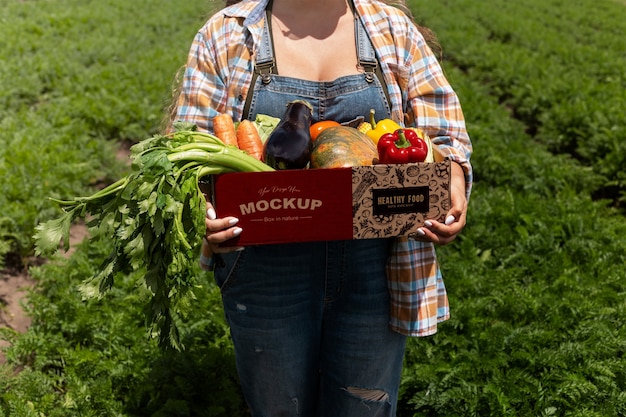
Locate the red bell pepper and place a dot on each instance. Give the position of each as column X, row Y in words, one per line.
column 401, row 147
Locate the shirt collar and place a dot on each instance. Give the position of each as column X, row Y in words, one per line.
column 251, row 10
column 254, row 10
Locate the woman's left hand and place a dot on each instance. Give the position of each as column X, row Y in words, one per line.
column 444, row 233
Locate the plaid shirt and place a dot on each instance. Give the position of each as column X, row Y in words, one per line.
column 217, row 80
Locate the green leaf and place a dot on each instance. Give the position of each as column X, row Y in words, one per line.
column 148, row 205
column 135, row 250
column 49, row 235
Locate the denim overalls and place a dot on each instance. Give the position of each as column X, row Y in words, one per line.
column 309, row 321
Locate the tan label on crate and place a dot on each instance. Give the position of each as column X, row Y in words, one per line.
column 395, row 200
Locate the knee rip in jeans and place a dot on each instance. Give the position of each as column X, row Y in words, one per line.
column 375, row 395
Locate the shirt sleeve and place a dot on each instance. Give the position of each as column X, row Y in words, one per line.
column 434, row 105
column 202, row 92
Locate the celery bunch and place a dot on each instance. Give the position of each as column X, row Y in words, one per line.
column 156, row 218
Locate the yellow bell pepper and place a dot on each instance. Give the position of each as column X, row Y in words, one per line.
column 381, row 127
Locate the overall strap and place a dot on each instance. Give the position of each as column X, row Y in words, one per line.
column 264, row 64
column 366, row 53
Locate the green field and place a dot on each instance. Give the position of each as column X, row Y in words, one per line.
column 536, row 282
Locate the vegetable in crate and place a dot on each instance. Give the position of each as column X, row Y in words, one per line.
column 401, row 147
column 342, row 146
column 224, row 129
column 319, row 127
column 249, row 140
column 265, row 125
column 289, row 145
column 434, row 155
column 155, row 217
column 375, row 130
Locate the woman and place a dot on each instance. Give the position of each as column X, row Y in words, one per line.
column 314, row 327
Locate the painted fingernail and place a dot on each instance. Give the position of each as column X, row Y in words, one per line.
column 428, row 223
column 237, row 231
column 233, row 221
column 211, row 214
column 420, row 232
column 450, row 219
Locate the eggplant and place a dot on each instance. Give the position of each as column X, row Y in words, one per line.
column 289, row 145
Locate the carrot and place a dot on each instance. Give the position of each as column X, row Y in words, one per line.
column 224, row 129
column 249, row 140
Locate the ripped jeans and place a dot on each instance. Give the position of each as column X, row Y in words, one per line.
column 309, row 322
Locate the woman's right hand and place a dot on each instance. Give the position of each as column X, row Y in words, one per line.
column 220, row 230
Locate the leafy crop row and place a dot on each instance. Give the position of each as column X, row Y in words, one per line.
column 94, row 358
column 536, row 279
column 558, row 67
column 77, row 79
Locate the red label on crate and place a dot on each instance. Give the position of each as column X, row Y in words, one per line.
column 287, row 206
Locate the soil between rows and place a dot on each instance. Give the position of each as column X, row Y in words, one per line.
column 15, row 284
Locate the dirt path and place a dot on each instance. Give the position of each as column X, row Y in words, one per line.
column 14, row 287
